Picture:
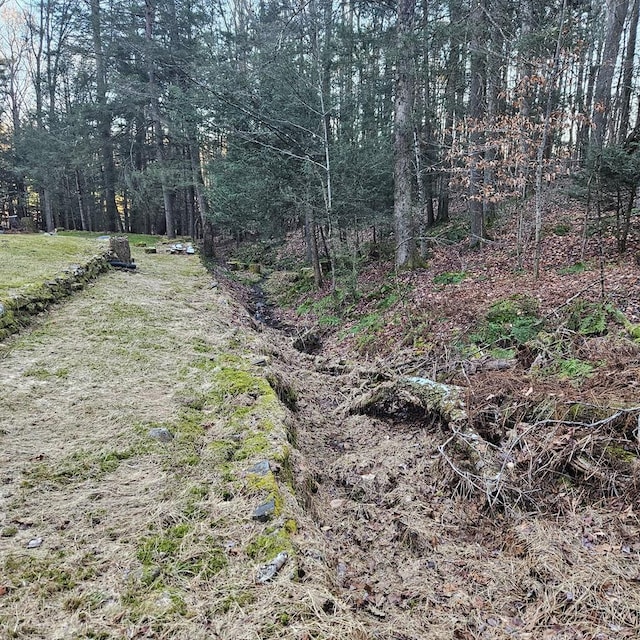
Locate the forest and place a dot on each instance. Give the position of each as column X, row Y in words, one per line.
column 354, row 120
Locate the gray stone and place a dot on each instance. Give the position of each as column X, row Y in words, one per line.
column 265, row 511
column 162, row 434
column 2, row 309
column 260, row 468
column 268, row 571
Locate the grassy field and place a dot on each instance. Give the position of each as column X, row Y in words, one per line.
column 134, row 238
column 33, row 258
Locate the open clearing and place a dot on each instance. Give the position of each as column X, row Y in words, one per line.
column 132, row 537
column 27, row 259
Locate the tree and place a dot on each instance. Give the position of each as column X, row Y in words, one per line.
column 403, row 137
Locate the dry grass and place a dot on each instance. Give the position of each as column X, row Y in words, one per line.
column 142, row 539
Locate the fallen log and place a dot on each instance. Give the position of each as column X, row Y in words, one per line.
column 411, row 394
column 445, row 404
column 122, row 265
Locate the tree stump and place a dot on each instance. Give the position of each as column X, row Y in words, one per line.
column 119, row 249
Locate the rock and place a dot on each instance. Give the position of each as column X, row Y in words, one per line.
column 161, row 434
column 119, row 249
column 446, row 402
column 34, row 543
column 258, row 361
column 268, row 571
column 307, row 342
column 265, row 511
column 261, row 468
column 150, row 250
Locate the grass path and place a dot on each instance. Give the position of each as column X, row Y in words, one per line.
column 139, row 538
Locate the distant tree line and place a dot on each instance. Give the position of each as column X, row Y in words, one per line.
column 351, row 119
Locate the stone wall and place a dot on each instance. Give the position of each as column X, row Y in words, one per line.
column 16, row 311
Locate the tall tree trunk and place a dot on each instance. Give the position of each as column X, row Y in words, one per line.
column 476, row 113
column 627, row 80
column 83, row 216
column 47, row 205
column 616, row 15
column 402, row 138
column 551, row 87
column 167, row 196
column 452, row 107
column 201, row 200
column 104, row 123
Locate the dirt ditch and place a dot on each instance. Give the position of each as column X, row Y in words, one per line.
column 417, row 554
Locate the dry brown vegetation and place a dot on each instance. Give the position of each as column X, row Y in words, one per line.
column 132, row 537
column 391, row 529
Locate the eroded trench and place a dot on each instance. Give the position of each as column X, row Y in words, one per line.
column 418, row 556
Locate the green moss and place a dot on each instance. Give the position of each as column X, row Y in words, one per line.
column 618, row 452
column 9, row 532
column 562, row 228
column 189, row 423
column 167, row 543
column 237, row 598
column 234, row 382
column 291, row 526
column 200, row 346
column 450, row 277
column 267, row 486
column 267, row 546
column 251, row 446
column 223, row 450
column 578, row 267
column 199, row 491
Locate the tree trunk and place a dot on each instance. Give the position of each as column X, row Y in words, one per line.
column 616, row 15
column 476, row 113
column 167, row 196
column 627, row 80
column 402, row 138
column 104, row 123
column 47, row 205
